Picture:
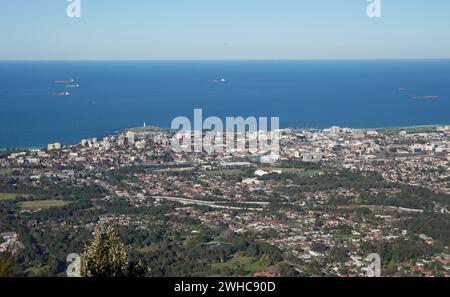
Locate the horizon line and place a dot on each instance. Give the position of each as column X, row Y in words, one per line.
column 221, row 60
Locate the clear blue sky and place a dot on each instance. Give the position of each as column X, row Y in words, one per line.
column 225, row 29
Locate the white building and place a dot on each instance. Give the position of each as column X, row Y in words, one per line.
column 54, row 146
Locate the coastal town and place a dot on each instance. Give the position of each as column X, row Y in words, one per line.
column 333, row 197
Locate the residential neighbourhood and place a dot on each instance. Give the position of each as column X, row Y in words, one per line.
column 332, row 197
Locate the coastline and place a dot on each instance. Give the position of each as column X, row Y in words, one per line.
column 162, row 129
column 303, row 94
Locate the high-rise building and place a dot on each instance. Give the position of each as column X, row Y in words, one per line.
column 130, row 137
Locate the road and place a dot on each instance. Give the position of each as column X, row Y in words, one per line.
column 213, row 204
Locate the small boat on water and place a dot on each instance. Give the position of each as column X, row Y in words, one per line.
column 426, row 97
column 72, row 86
column 64, row 81
column 61, row 94
column 222, row 80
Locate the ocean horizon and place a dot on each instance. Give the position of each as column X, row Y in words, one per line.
column 108, row 96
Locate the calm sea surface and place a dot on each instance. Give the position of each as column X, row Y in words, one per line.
column 117, row 95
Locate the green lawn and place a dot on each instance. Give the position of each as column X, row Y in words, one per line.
column 12, row 196
column 42, row 204
column 146, row 129
column 225, row 172
column 5, row 170
column 282, row 169
column 300, row 171
column 418, row 129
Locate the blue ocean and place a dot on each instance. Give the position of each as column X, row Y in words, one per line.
column 115, row 95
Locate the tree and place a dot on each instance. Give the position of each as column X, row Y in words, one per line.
column 391, row 268
column 6, row 261
column 106, row 257
column 136, row 269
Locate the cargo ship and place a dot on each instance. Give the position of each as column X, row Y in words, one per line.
column 222, row 80
column 64, row 81
column 72, row 86
column 61, row 94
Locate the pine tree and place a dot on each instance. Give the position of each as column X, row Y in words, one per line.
column 106, row 257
